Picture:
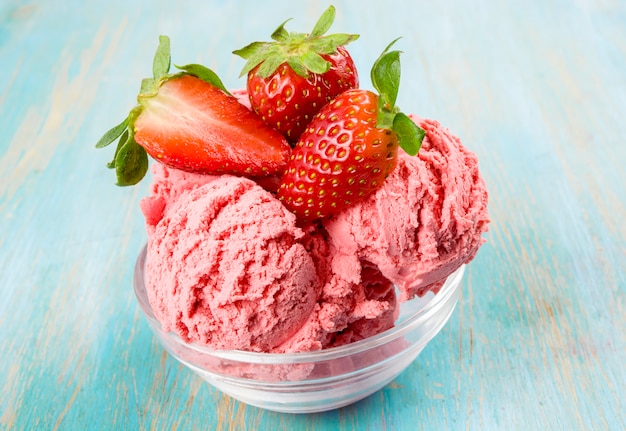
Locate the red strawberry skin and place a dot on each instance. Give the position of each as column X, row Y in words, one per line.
column 287, row 102
column 340, row 158
column 192, row 125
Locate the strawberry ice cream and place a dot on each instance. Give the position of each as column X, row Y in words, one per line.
column 229, row 267
column 353, row 302
column 426, row 220
column 225, row 268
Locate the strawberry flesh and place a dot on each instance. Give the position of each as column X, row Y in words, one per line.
column 191, row 125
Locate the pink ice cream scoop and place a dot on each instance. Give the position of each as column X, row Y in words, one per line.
column 353, row 303
column 225, row 267
column 426, row 220
column 167, row 186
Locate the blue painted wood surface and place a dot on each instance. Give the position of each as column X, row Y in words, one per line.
column 536, row 89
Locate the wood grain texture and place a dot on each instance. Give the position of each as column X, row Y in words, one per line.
column 536, row 89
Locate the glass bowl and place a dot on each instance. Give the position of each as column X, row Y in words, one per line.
column 313, row 381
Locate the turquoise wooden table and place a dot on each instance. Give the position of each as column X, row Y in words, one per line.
column 536, row 89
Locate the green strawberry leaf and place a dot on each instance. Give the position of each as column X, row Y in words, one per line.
column 205, row 74
column 324, row 22
column 255, row 54
column 315, row 63
column 280, row 34
column 162, row 58
column 329, row 44
column 270, row 64
column 113, row 133
column 385, row 76
column 250, row 50
column 388, row 47
column 120, row 143
column 295, row 39
column 410, row 135
column 298, row 66
column 131, row 163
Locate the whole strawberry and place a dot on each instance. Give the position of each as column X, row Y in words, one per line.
column 291, row 79
column 350, row 146
column 189, row 121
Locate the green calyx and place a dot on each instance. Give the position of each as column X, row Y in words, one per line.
column 385, row 76
column 131, row 160
column 302, row 52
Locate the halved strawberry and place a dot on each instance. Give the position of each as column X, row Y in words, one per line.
column 192, row 125
column 291, row 79
column 189, row 121
column 350, row 147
